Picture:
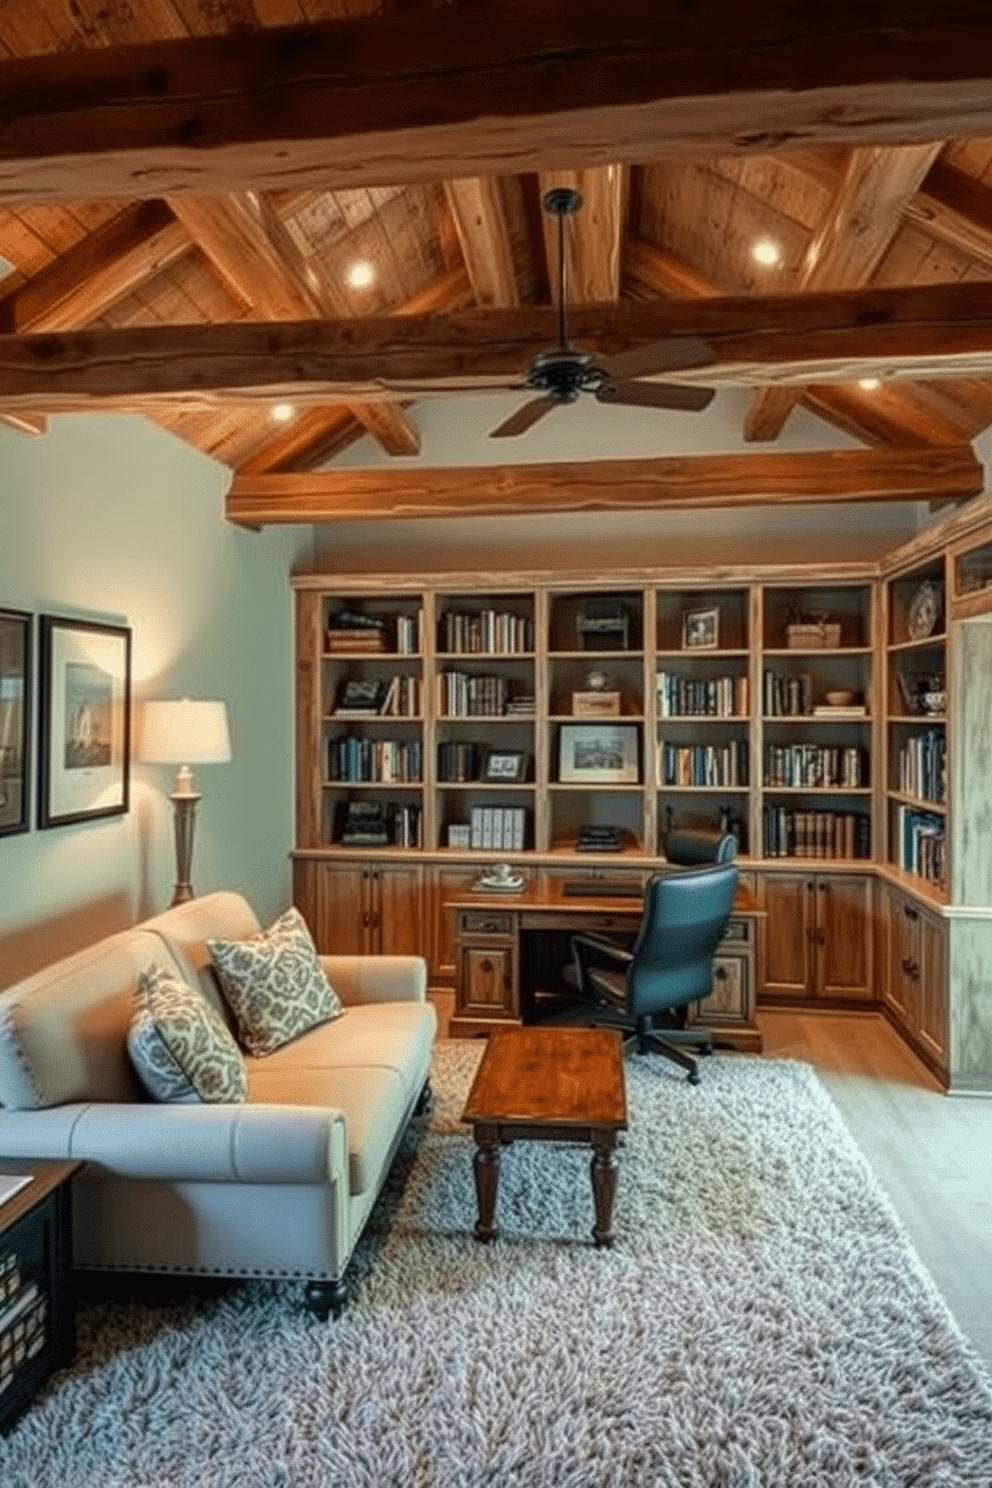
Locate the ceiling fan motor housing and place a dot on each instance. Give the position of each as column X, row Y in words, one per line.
column 563, row 375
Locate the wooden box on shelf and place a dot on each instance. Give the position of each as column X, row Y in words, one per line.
column 821, row 635
column 596, row 704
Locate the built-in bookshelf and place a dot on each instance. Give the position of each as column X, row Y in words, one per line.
column 571, row 709
column 916, row 723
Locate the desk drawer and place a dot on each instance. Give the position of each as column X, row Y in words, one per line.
column 481, row 922
column 737, row 930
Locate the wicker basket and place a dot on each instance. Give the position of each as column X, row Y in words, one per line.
column 821, row 636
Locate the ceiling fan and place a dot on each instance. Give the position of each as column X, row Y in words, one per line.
column 562, row 374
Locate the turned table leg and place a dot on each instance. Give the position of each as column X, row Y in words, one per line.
column 603, row 1169
column 486, row 1166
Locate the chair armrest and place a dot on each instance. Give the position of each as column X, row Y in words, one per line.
column 190, row 1143
column 601, row 943
column 366, row 979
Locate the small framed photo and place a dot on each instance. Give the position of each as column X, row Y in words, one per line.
column 598, row 754
column 84, row 720
column 15, row 720
column 701, row 630
column 504, row 767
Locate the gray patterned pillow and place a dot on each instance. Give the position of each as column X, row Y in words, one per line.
column 179, row 1046
column 274, row 984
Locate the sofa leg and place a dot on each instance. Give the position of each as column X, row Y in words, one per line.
column 323, row 1297
column 425, row 1100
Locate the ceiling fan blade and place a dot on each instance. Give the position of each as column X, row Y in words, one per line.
column 656, row 395
column 524, row 418
column 677, row 354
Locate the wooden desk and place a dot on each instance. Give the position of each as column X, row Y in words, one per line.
column 490, row 931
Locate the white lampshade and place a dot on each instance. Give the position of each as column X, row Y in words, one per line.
column 185, row 733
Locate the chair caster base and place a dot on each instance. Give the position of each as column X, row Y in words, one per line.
column 324, row 1297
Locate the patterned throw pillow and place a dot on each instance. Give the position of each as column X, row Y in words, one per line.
column 274, row 984
column 179, row 1046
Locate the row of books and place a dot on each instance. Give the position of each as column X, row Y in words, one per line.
column 815, row 834
column 497, row 828
column 349, row 631
column 458, row 762
column 488, row 633
column 360, row 697
column 379, row 760
column 923, row 766
column 703, row 764
column 694, row 697
column 920, row 843
column 814, row 766
column 375, row 824
column 466, row 695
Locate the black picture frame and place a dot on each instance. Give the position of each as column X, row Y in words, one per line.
column 15, row 721
column 603, row 753
column 504, row 767
column 84, row 719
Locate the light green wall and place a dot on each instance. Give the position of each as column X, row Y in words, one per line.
column 110, row 518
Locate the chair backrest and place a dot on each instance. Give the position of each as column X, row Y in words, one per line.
column 685, row 916
column 690, row 846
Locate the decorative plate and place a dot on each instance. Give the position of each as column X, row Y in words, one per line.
column 924, row 611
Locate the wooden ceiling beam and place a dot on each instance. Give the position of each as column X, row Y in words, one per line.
column 25, row 423
column 956, row 209
column 862, row 220
column 258, row 258
column 886, row 416
column 813, row 478
column 594, row 234
column 476, row 205
column 97, row 272
column 926, row 331
column 449, row 92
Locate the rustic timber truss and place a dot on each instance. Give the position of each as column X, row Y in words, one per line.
column 184, row 187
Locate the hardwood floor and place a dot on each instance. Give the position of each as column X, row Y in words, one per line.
column 932, row 1153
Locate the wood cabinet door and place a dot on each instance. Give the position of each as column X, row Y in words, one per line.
column 896, row 950
column 931, row 1006
column 444, row 922
column 789, row 902
column 335, row 900
column 844, row 936
column 397, row 909
column 729, row 998
column 486, row 983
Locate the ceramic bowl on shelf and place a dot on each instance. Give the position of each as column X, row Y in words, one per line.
column 840, row 698
column 934, row 702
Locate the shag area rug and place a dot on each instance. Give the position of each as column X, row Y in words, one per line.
column 762, row 1322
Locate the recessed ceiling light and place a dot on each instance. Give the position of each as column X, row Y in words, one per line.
column 360, row 275
column 869, row 383
column 766, row 252
column 282, row 411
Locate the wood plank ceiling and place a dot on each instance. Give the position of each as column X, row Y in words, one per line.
column 657, row 231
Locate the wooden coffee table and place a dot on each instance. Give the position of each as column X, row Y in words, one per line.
column 549, row 1085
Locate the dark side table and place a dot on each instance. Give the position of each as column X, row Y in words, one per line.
column 37, row 1315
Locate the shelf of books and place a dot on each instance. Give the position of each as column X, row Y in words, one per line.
column 916, row 730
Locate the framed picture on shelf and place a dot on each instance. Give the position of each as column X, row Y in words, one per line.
column 84, row 720
column 701, row 630
column 598, row 754
column 15, row 720
column 504, row 766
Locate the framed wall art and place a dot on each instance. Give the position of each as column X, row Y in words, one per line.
column 598, row 754
column 701, row 630
column 84, row 720
column 15, row 721
column 504, row 766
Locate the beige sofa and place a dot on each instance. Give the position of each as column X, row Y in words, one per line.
column 280, row 1186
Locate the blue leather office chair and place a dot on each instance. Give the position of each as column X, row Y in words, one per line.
column 647, row 989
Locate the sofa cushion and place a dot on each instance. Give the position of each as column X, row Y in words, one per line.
column 185, row 929
column 372, row 1099
column 391, row 1036
column 274, row 984
column 178, row 1045
column 63, row 1031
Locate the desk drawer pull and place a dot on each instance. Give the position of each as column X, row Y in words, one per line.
column 493, row 924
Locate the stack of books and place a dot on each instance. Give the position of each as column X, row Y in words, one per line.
column 599, row 839
column 457, row 762
column 351, row 632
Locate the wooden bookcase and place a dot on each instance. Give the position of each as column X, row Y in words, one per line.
column 768, row 698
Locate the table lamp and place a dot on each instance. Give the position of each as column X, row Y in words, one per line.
column 185, row 733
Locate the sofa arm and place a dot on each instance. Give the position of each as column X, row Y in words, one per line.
column 365, row 979
column 189, row 1143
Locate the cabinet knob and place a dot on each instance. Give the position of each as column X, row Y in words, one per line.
column 821, row 936
column 911, row 914
column 486, row 965
column 366, row 921
column 489, row 928
column 810, row 886
column 720, row 972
